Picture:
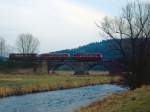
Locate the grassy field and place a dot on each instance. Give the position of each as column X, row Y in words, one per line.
column 133, row 101
column 23, row 84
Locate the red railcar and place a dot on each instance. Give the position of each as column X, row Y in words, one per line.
column 53, row 56
column 88, row 57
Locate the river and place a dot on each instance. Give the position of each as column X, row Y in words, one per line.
column 58, row 101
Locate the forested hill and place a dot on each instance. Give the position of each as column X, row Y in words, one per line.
column 103, row 47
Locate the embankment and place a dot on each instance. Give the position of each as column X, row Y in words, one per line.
column 132, row 101
column 25, row 84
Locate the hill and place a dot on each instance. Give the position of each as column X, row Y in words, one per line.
column 104, row 47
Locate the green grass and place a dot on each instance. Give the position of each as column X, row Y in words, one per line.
column 23, row 84
column 133, row 101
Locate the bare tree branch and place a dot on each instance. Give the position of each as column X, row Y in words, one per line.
column 26, row 43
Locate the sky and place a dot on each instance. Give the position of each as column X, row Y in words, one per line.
column 58, row 24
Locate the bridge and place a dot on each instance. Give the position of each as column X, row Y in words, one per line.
column 79, row 67
column 80, row 64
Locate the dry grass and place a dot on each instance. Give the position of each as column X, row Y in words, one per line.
column 133, row 101
column 24, row 84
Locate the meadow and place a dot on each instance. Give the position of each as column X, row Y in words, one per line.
column 133, row 101
column 11, row 84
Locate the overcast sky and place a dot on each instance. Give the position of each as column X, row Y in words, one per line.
column 58, row 24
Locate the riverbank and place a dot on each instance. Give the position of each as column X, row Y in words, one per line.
column 132, row 101
column 25, row 84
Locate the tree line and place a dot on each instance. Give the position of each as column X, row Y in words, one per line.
column 25, row 43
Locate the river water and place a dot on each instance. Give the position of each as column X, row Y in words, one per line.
column 58, row 101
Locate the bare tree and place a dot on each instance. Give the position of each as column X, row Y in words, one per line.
column 2, row 47
column 131, row 34
column 27, row 43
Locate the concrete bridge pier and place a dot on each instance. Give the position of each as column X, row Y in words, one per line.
column 42, row 67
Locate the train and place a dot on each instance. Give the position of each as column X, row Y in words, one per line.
column 88, row 57
column 57, row 57
column 22, row 57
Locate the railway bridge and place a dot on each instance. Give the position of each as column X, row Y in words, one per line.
column 79, row 67
column 80, row 64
